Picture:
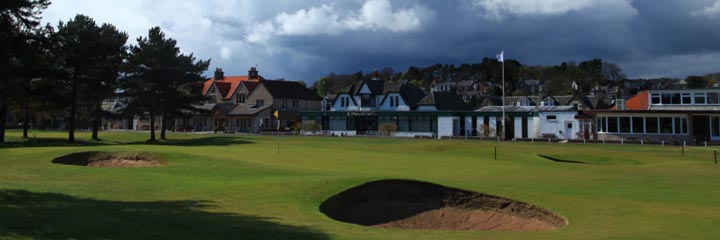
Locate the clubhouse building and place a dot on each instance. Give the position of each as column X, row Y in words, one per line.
column 671, row 116
column 247, row 103
column 362, row 108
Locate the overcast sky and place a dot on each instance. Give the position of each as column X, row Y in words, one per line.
column 304, row 40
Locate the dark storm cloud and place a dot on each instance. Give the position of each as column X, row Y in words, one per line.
column 305, row 40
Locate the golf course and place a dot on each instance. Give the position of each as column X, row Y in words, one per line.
column 204, row 186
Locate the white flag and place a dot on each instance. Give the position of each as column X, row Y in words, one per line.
column 501, row 57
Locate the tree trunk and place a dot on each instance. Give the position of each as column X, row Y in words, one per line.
column 163, row 127
column 3, row 117
column 152, row 126
column 26, row 120
column 71, row 119
column 96, row 122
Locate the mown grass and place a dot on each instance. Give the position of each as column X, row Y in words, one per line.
column 240, row 187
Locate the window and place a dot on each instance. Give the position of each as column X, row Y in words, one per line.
column 602, row 124
column 612, row 124
column 421, row 124
column 666, row 98
column 686, row 98
column 651, row 125
column 700, row 98
column 655, row 98
column 397, row 101
column 638, row 125
column 295, row 103
column 551, row 117
column 712, row 97
column 715, row 126
column 524, row 102
column 404, row 124
column 240, row 98
column 547, row 102
column 675, row 98
column 666, row 125
column 680, row 125
column 392, row 102
column 259, row 102
column 625, row 124
column 569, row 126
column 284, row 103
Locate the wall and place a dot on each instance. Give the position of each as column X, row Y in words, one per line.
column 518, row 127
column 337, row 105
column 260, row 92
column 445, row 126
column 385, row 106
column 557, row 127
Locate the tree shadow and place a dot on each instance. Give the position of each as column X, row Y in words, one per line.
column 561, row 160
column 49, row 142
column 61, row 142
column 195, row 142
column 25, row 214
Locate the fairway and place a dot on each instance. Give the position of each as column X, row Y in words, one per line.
column 246, row 187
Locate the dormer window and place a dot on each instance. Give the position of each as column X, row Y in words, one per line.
column 523, row 102
column 547, row 102
column 240, row 98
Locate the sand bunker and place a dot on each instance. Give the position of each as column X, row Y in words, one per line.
column 421, row 205
column 110, row 159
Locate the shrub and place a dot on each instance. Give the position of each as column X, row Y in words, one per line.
column 310, row 126
column 388, row 129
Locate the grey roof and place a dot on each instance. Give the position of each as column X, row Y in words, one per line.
column 245, row 110
column 289, row 90
column 444, row 101
column 557, row 109
column 507, row 109
column 564, row 100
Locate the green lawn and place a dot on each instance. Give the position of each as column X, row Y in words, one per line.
column 240, row 187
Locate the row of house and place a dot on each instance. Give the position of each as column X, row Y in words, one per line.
column 247, row 104
column 656, row 115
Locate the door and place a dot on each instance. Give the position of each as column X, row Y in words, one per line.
column 524, row 127
column 569, row 125
column 701, row 128
column 509, row 127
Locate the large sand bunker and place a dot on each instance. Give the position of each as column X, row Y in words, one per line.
column 421, row 205
column 110, row 159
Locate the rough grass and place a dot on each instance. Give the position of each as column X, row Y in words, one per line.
column 240, row 187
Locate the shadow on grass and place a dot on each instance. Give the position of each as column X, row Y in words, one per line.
column 192, row 142
column 34, row 215
column 49, row 142
column 59, row 142
column 561, row 160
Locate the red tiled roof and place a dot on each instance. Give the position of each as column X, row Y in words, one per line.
column 250, row 85
column 228, row 85
column 637, row 102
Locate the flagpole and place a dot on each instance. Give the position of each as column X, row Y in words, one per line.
column 502, row 53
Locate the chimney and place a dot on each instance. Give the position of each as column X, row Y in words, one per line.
column 376, row 75
column 253, row 73
column 219, row 74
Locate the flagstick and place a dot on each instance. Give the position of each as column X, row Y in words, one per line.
column 502, row 54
